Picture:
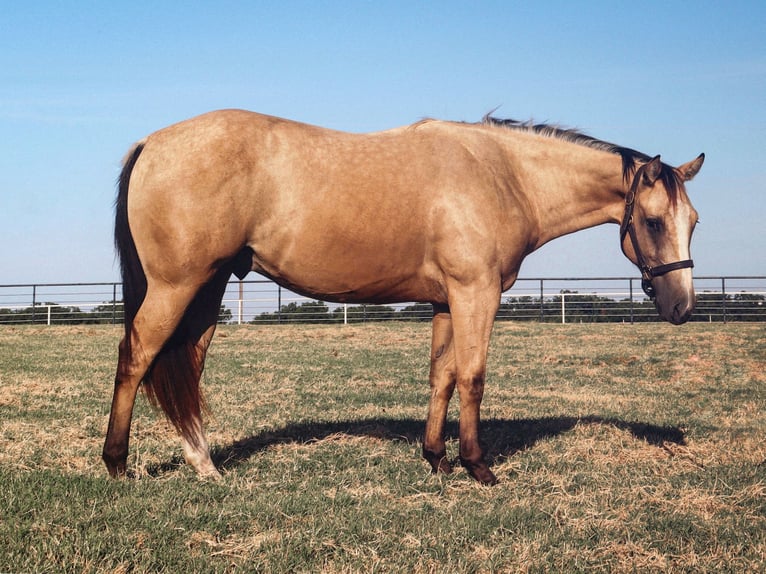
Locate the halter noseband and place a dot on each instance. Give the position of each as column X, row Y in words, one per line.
column 628, row 228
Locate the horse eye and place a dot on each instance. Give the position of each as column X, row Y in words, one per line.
column 654, row 224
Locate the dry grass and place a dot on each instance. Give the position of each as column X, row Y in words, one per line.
column 619, row 448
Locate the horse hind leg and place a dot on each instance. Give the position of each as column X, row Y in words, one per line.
column 126, row 382
column 154, row 324
column 204, row 319
column 196, row 450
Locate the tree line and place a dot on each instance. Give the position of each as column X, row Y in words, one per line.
column 584, row 308
column 578, row 308
column 107, row 313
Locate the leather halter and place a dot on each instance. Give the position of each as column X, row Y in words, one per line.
column 628, row 228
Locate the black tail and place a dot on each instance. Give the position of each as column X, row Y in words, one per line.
column 133, row 277
column 173, row 380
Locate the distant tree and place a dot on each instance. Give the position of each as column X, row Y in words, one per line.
column 734, row 307
column 364, row 313
column 416, row 312
column 59, row 314
column 521, row 308
column 710, row 307
column 107, row 313
column 8, row 316
column 224, row 315
column 306, row 312
column 588, row 308
column 746, row 307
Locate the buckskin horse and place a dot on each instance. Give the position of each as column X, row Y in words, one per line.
column 439, row 212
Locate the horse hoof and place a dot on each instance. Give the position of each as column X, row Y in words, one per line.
column 444, row 467
column 481, row 473
column 116, row 469
column 117, row 472
column 211, row 475
column 438, row 462
column 486, row 477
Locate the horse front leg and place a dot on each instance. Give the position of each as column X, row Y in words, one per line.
column 473, row 314
column 442, row 382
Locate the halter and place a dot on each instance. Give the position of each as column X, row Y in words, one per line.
column 628, row 228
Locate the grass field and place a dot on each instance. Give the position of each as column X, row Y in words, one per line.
column 619, row 449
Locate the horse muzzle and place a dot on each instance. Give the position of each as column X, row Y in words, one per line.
column 674, row 301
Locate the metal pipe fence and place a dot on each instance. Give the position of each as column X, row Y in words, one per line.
column 564, row 300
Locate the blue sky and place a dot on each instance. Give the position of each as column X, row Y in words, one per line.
column 80, row 81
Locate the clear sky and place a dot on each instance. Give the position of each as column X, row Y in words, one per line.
column 80, row 81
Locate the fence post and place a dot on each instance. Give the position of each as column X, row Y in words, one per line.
column 279, row 303
column 630, row 289
column 345, row 313
column 239, row 304
column 563, row 309
column 114, row 303
column 542, row 304
column 34, row 302
column 723, row 297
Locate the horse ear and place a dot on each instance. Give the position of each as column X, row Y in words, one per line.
column 689, row 170
column 652, row 170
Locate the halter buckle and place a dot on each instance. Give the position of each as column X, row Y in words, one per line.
column 646, row 282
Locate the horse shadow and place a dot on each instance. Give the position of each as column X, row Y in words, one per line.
column 502, row 438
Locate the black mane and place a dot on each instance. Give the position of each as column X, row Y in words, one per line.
column 631, row 159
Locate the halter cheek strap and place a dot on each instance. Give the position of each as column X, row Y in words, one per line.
column 628, row 228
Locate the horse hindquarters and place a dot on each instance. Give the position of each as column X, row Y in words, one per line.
column 168, row 328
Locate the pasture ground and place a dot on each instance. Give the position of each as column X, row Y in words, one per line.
column 619, row 449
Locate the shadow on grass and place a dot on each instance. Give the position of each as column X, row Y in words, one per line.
column 501, row 438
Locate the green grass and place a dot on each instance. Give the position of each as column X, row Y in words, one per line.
column 619, row 449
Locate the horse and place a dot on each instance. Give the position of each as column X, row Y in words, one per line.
column 438, row 212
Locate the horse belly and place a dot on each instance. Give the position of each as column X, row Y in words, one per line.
column 336, row 267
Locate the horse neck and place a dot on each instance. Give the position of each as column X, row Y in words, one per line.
column 571, row 187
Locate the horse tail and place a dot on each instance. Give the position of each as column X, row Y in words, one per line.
column 172, row 381
column 133, row 277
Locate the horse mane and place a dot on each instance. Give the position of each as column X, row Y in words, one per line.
column 631, row 159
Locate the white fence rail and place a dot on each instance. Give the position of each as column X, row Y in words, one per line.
column 589, row 299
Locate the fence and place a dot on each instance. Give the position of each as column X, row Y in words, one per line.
column 588, row 299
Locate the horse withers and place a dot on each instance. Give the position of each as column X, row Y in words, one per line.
column 439, row 212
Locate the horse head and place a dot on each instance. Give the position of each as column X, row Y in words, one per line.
column 656, row 235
